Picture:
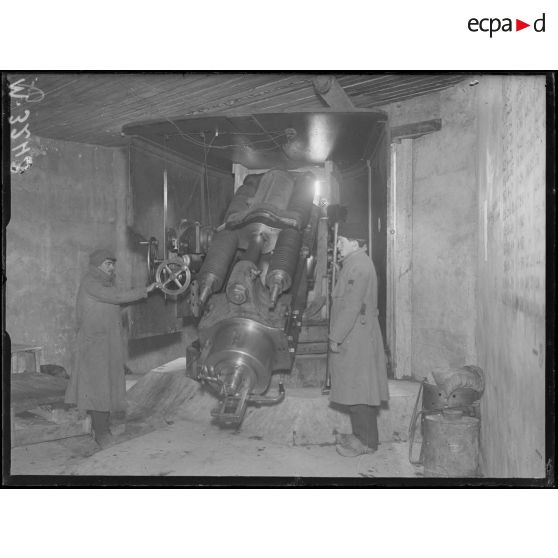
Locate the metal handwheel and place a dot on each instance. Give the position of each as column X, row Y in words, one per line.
column 152, row 257
column 173, row 276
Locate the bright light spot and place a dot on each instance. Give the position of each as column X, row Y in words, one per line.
column 321, row 138
column 317, row 188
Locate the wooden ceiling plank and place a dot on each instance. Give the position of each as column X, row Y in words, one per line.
column 369, row 81
column 264, row 103
column 96, row 106
column 413, row 82
column 388, row 99
column 292, row 103
column 207, row 100
column 138, row 93
column 416, row 89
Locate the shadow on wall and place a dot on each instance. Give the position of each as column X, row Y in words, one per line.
column 145, row 345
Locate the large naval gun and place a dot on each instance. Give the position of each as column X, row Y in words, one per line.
column 251, row 290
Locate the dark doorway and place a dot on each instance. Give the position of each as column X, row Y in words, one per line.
column 364, row 191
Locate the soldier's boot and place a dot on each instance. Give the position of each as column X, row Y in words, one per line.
column 349, row 445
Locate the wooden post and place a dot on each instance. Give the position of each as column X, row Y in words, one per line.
column 401, row 212
column 390, row 257
column 329, row 89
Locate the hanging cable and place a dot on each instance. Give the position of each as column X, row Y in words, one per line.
column 208, row 191
column 184, row 135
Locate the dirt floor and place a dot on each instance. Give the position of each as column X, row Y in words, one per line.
column 169, row 433
column 188, row 448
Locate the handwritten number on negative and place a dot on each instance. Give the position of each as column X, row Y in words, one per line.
column 19, row 118
column 15, row 134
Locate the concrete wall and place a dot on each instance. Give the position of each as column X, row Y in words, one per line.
column 62, row 208
column 478, row 255
column 444, row 232
column 510, row 329
column 73, row 199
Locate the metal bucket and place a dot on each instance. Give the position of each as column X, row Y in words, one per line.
column 434, row 402
column 450, row 444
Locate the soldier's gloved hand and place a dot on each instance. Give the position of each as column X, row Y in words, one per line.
column 153, row 286
column 333, row 346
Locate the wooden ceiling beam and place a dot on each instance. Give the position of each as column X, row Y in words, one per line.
column 416, row 129
column 328, row 88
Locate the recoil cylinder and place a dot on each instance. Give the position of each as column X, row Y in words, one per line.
column 216, row 264
column 283, row 263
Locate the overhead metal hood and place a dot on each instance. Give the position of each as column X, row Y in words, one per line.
column 263, row 141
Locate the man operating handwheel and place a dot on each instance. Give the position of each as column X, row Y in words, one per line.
column 97, row 384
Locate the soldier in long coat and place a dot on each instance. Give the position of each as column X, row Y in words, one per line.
column 357, row 358
column 97, row 383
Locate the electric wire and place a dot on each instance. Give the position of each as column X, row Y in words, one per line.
column 206, row 178
column 184, row 135
column 229, row 133
column 272, row 137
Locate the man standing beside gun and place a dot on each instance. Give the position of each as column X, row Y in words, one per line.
column 357, row 359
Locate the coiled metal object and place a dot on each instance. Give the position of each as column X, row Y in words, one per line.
column 283, row 263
